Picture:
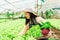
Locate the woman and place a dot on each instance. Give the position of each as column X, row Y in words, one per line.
column 31, row 19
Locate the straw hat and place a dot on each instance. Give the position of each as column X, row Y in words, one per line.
column 28, row 10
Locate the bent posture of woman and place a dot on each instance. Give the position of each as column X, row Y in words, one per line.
column 31, row 19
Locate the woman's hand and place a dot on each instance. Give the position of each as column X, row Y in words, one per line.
column 23, row 32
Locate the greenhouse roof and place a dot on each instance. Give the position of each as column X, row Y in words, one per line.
column 19, row 5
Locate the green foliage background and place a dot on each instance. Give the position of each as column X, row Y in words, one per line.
column 9, row 29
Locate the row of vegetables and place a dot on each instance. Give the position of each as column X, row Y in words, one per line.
column 9, row 30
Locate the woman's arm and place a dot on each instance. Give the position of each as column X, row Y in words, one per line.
column 40, row 19
column 24, row 30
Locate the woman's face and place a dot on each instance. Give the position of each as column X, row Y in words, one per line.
column 27, row 15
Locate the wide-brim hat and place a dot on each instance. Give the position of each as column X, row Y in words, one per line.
column 28, row 10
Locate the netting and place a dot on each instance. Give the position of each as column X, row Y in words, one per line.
column 20, row 5
column 16, row 4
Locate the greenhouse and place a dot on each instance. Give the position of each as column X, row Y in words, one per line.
column 29, row 19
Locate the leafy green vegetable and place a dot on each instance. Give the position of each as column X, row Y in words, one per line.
column 46, row 25
column 10, row 29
